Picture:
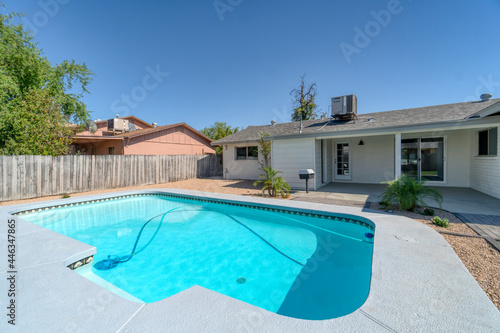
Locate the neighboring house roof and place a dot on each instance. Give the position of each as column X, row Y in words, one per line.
column 369, row 121
column 160, row 128
column 90, row 138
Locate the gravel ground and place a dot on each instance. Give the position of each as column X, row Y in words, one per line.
column 482, row 260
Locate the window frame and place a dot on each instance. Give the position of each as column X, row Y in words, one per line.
column 488, row 139
column 247, row 157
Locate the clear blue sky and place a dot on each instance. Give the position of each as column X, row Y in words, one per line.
column 238, row 63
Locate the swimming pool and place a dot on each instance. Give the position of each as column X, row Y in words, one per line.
column 299, row 264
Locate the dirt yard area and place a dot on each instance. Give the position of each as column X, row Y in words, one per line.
column 215, row 184
column 481, row 259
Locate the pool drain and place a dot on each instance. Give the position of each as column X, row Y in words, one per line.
column 241, row 280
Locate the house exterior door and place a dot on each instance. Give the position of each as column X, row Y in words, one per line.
column 342, row 162
column 423, row 158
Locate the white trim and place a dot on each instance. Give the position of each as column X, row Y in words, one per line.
column 485, row 157
column 477, row 141
column 325, row 161
column 397, row 155
column 313, row 153
column 492, row 109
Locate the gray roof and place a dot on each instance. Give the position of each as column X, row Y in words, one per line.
column 386, row 119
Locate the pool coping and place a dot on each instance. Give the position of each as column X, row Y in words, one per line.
column 418, row 284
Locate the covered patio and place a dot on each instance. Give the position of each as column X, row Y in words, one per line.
column 455, row 199
column 479, row 211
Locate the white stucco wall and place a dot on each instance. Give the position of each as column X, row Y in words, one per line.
column 458, row 157
column 317, row 161
column 329, row 158
column 484, row 171
column 373, row 162
column 288, row 156
column 327, row 146
column 240, row 169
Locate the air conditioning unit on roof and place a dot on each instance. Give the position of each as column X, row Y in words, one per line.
column 117, row 124
column 344, row 107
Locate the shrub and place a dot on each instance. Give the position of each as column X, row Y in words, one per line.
column 409, row 193
column 429, row 212
column 441, row 222
column 272, row 183
column 65, row 195
column 384, row 204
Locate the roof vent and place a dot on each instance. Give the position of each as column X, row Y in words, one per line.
column 485, row 97
column 273, row 122
column 117, row 116
column 154, row 124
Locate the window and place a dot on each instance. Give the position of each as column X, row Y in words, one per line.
column 94, row 151
column 487, row 142
column 253, row 153
column 247, row 153
column 111, row 150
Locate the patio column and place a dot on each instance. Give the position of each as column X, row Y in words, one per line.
column 397, row 155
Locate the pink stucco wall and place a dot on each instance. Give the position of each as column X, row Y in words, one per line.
column 102, row 148
column 172, row 141
column 178, row 140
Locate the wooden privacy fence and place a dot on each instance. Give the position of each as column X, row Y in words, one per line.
column 23, row 177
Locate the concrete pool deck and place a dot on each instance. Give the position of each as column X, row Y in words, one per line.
column 418, row 284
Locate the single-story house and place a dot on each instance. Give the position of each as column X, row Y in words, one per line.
column 134, row 136
column 446, row 145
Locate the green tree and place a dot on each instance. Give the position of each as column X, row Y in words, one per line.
column 38, row 101
column 304, row 100
column 265, row 150
column 217, row 131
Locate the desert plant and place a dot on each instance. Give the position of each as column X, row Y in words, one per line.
column 409, row 193
column 441, row 222
column 428, row 212
column 273, row 183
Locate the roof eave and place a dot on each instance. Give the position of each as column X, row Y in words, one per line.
column 492, row 109
column 450, row 125
column 165, row 127
column 233, row 142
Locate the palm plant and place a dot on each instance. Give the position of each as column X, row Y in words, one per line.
column 409, row 193
column 273, row 183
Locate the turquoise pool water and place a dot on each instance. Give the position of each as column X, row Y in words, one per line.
column 308, row 267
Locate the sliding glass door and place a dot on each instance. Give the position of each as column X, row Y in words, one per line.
column 423, row 158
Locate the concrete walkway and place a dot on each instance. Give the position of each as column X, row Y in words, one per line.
column 480, row 211
column 488, row 224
